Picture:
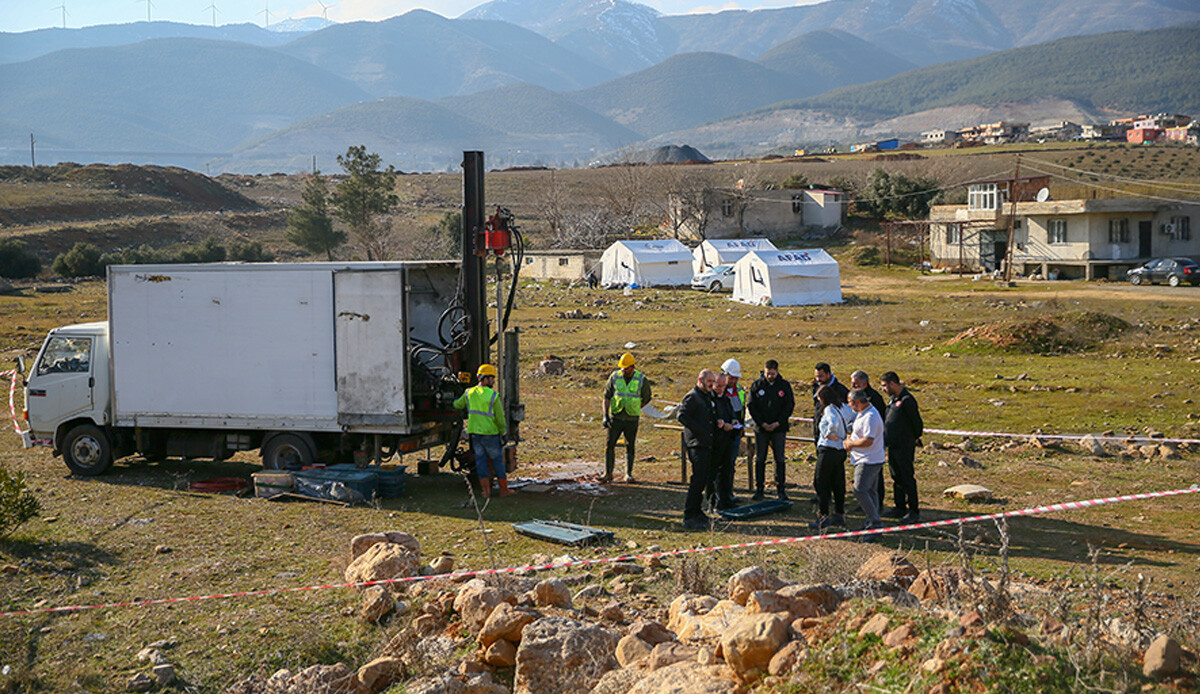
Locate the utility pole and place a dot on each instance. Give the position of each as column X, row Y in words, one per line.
column 1012, row 221
column 32, row 160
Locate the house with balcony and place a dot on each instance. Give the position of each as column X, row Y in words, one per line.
column 1078, row 239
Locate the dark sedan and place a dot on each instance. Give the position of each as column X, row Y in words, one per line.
column 1173, row 271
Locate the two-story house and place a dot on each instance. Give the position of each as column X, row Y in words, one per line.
column 774, row 214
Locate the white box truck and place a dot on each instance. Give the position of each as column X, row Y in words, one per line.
column 304, row 361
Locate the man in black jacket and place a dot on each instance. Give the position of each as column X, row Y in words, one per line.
column 771, row 404
column 823, row 376
column 902, row 429
column 697, row 414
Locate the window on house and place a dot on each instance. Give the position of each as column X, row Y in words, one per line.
column 1118, row 231
column 727, row 208
column 952, row 233
column 1182, row 227
column 982, row 196
column 1056, row 231
column 564, row 261
column 797, row 204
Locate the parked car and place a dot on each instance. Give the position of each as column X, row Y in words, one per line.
column 1173, row 271
column 715, row 279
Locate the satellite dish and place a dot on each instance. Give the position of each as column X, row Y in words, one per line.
column 1043, row 195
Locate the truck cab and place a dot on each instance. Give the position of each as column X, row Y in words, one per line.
column 67, row 396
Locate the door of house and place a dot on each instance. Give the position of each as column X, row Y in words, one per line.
column 999, row 254
column 1145, row 230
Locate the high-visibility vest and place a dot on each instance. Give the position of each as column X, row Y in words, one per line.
column 627, row 395
column 482, row 418
column 741, row 399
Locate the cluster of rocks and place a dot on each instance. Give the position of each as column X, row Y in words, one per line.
column 162, row 671
column 580, row 314
column 472, row 636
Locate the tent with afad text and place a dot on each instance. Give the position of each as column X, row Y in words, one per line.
column 787, row 278
column 665, row 263
column 713, row 252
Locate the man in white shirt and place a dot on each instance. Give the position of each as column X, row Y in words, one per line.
column 865, row 447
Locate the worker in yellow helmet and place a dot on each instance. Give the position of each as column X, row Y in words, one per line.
column 625, row 394
column 487, row 426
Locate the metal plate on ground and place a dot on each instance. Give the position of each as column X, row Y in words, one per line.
column 563, row 533
column 762, row 508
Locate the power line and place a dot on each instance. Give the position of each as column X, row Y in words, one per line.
column 1130, row 193
column 1183, row 187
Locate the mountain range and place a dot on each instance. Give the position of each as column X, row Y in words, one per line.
column 565, row 82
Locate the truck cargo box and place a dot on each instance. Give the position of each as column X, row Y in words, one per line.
column 309, row 346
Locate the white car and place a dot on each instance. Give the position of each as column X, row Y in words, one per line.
column 714, row 279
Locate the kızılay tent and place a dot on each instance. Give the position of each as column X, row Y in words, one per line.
column 663, row 263
column 787, row 278
column 714, row 252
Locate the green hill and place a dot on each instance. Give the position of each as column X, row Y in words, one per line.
column 824, row 60
column 1156, row 70
column 531, row 110
column 165, row 95
column 687, row 90
column 421, row 54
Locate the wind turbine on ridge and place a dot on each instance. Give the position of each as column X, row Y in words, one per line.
column 214, row 9
column 266, row 12
column 63, row 7
column 149, row 4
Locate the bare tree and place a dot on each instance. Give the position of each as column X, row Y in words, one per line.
column 551, row 205
column 681, row 198
column 590, row 227
column 624, row 191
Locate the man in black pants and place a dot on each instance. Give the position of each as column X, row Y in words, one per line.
column 771, row 404
column 823, row 376
column 697, row 414
column 902, row 429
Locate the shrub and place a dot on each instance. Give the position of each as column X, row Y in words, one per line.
column 250, row 252
column 81, row 261
column 16, row 262
column 17, row 504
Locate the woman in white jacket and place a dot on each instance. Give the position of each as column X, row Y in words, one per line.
column 829, row 477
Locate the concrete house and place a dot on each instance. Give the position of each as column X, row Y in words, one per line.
column 773, row 214
column 568, row 265
column 1066, row 238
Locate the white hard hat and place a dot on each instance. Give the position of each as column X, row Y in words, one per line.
column 732, row 367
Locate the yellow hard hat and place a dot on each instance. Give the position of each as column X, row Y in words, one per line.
column 626, row 360
column 486, row 370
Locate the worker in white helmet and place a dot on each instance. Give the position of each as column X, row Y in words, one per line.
column 721, row 491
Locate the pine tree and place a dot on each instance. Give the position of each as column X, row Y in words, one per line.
column 364, row 197
column 310, row 225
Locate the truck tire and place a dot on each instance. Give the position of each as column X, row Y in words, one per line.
column 87, row 450
column 287, row 452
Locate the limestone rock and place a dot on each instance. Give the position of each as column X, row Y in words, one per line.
column 769, row 601
column 787, row 658
column 612, row 612
column 826, row 598
column 691, row 624
column 382, row 561
column 886, row 566
column 750, row 644
column 377, row 604
column 877, row 625
column 651, row 632
column 379, row 674
column 620, row 681
column 1162, row 658
column 631, row 649
column 1092, row 445
column 141, row 682
column 938, row 584
column 970, row 492
column 671, row 652
column 441, row 565
column 898, row 636
column 328, row 679
column 476, row 603
column 689, row 678
column 362, row 543
column 563, row 656
column 444, row 683
column 506, row 622
column 482, row 683
column 552, row 593
column 750, row 579
column 500, row 653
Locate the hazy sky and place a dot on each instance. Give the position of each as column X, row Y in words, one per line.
column 26, row 15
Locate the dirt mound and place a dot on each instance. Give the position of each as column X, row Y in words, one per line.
column 162, row 181
column 1063, row 332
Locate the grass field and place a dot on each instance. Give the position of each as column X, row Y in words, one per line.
column 137, row 533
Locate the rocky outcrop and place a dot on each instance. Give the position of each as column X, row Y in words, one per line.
column 751, row 642
column 559, row 655
column 743, row 583
column 382, row 561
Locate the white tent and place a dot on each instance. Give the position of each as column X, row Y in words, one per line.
column 714, row 252
column 787, row 278
column 646, row 264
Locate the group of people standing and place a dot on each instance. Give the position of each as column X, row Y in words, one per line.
column 854, row 423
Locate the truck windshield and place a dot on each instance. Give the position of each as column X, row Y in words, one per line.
column 66, row 355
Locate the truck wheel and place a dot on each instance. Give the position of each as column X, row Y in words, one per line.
column 87, row 450
column 287, row 452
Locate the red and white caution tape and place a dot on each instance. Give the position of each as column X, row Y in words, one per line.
column 11, row 374
column 1067, row 506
